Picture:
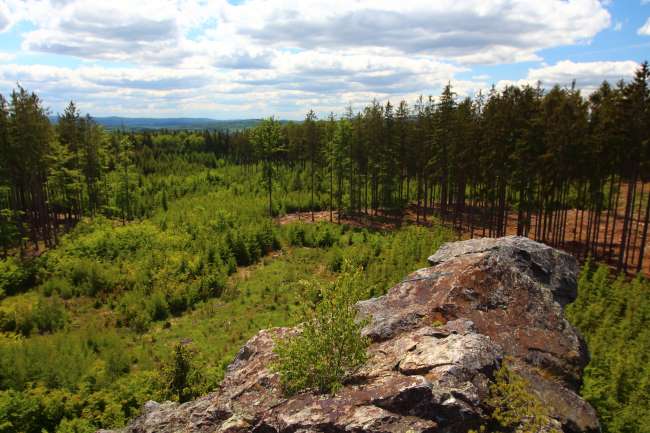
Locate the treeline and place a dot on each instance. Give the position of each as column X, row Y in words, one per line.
column 552, row 165
column 50, row 177
column 53, row 175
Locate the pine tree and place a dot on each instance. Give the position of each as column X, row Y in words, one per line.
column 312, row 144
column 267, row 139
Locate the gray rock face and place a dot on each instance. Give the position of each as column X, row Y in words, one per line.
column 437, row 339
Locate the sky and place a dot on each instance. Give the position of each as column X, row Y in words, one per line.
column 255, row 58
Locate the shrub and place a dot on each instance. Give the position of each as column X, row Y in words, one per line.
column 177, row 300
column 117, row 361
column 182, row 379
column 516, row 408
column 335, row 260
column 158, row 306
column 58, row 285
column 49, row 315
column 92, row 277
column 7, row 320
column 24, row 319
column 15, row 276
column 296, row 235
column 212, row 285
column 133, row 311
column 75, row 425
column 46, row 316
column 330, row 348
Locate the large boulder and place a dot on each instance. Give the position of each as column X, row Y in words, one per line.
column 437, row 339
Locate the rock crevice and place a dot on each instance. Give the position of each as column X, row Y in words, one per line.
column 437, row 339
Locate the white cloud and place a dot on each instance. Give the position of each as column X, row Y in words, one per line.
column 587, row 75
column 645, row 29
column 618, row 26
column 472, row 31
column 5, row 19
column 143, row 31
column 288, row 91
column 279, row 56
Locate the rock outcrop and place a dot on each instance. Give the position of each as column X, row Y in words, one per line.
column 437, row 339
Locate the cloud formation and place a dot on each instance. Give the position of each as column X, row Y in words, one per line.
column 5, row 20
column 282, row 57
column 587, row 76
column 463, row 31
column 183, row 31
column 645, row 29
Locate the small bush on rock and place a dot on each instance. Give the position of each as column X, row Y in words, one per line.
column 183, row 380
column 516, row 408
column 330, row 348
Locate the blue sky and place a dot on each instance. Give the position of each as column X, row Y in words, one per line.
column 252, row 58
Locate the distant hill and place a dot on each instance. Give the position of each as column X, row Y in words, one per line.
column 144, row 123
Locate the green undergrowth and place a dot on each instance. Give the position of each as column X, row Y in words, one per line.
column 91, row 330
column 98, row 333
column 613, row 314
column 157, row 307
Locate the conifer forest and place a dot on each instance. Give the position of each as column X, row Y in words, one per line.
column 567, row 169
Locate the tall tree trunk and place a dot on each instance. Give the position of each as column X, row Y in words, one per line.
column 644, row 236
column 626, row 223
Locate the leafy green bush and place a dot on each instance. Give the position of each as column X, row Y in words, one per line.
column 75, row 425
column 134, row 312
column 516, row 408
column 46, row 315
column 49, row 315
column 329, row 348
column 157, row 306
column 58, row 285
column 318, row 235
column 182, row 379
column 92, row 277
column 15, row 276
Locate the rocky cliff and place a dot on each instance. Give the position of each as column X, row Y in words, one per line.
column 437, row 339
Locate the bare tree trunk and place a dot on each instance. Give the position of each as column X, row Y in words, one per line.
column 644, row 236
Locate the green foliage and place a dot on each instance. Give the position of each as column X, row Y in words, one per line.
column 45, row 315
column 75, row 425
column 127, row 293
column 319, row 235
column 15, row 276
column 30, row 412
column 9, row 233
column 329, row 348
column 516, row 408
column 49, row 315
column 613, row 314
column 183, row 380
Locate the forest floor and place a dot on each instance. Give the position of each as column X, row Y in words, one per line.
column 574, row 241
